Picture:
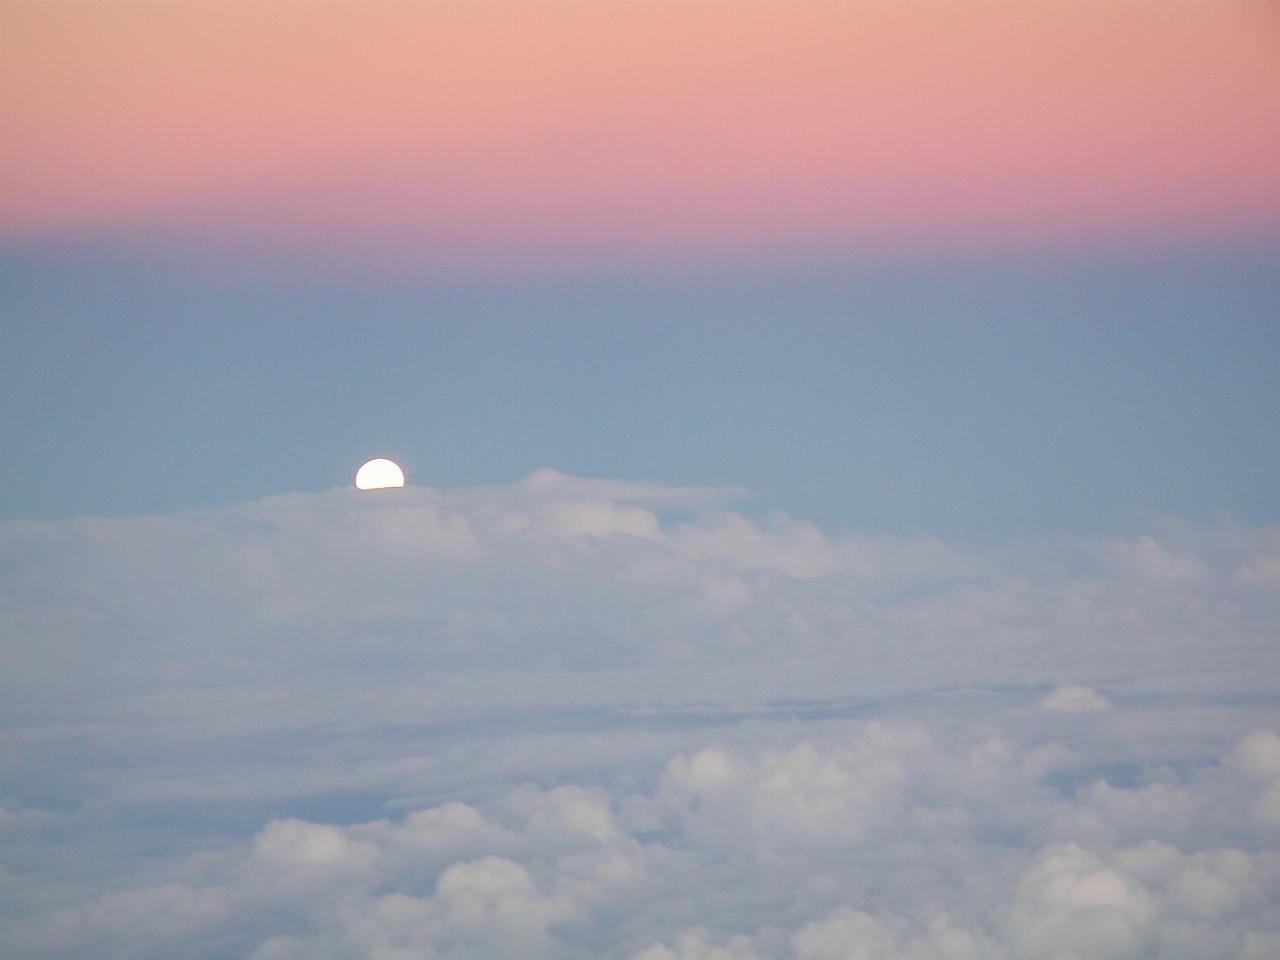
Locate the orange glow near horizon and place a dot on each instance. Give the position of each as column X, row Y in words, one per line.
column 540, row 124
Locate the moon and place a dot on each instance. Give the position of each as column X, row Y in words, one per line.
column 379, row 474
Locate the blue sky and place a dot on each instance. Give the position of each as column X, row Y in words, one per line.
column 962, row 570
column 984, row 396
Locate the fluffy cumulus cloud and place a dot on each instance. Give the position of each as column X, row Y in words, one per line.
column 880, row 840
column 573, row 719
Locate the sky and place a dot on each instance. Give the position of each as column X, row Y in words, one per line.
column 540, row 130
column 841, row 443
column 981, row 397
column 981, row 267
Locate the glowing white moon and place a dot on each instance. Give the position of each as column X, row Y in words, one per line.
column 379, row 475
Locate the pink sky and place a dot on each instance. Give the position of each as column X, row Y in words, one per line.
column 537, row 125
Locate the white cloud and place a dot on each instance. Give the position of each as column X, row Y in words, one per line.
column 1074, row 698
column 755, row 839
column 697, row 944
column 1258, row 755
column 1071, row 903
column 554, row 873
column 850, row 934
column 296, row 843
column 1147, row 560
column 577, row 718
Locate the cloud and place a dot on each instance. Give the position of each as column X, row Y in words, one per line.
column 950, row 858
column 575, row 718
column 850, row 934
column 1074, row 698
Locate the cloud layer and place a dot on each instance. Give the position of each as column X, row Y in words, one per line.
column 577, row 718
